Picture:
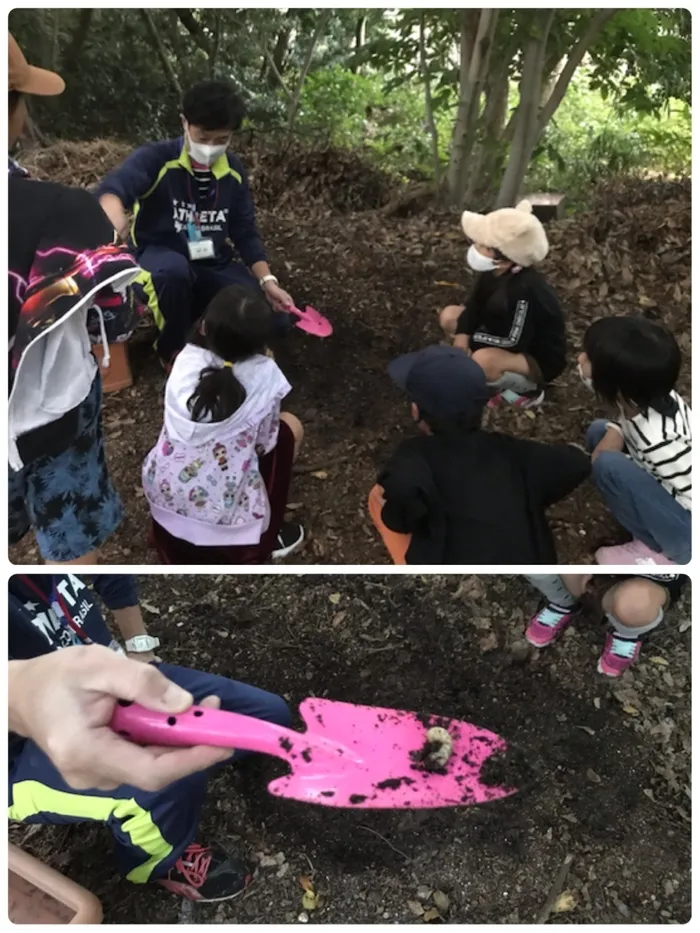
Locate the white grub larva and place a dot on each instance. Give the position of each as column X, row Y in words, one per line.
column 440, row 744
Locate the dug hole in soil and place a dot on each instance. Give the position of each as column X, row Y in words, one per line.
column 602, row 767
column 343, row 240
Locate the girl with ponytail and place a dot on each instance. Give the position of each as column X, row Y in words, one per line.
column 218, row 478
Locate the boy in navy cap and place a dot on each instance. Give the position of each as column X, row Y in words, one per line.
column 456, row 494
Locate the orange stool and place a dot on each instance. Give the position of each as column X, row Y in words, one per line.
column 118, row 375
column 39, row 894
column 396, row 544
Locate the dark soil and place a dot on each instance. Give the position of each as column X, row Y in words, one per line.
column 602, row 767
column 381, row 280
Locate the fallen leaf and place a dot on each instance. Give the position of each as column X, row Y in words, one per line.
column 416, row 908
column 657, row 660
column 307, row 884
column 631, row 710
column 587, row 729
column 449, row 284
column 320, row 474
column 684, row 626
column 529, row 413
column 442, row 901
column 565, row 903
column 596, row 702
column 149, row 608
column 593, row 776
column 430, row 915
column 294, row 506
column 488, row 642
column 649, row 793
column 334, row 598
column 338, row 618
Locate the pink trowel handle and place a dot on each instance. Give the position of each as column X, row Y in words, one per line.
column 201, row 726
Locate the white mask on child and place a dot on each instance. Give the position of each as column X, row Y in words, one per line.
column 586, row 380
column 203, row 154
column 478, row 262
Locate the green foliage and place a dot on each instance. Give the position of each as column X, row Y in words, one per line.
column 591, row 139
column 356, row 110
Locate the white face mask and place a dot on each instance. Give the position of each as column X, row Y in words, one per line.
column 586, row 380
column 205, row 155
column 478, row 262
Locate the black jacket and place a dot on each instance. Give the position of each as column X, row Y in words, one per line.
column 519, row 313
column 479, row 497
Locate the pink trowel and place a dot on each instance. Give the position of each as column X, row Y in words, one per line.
column 312, row 321
column 349, row 756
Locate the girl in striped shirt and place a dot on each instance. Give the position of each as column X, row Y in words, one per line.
column 642, row 458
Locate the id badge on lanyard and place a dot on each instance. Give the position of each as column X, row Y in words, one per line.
column 199, row 247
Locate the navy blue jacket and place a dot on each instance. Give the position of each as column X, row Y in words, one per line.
column 35, row 627
column 157, row 182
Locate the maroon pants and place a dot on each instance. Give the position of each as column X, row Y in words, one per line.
column 276, row 471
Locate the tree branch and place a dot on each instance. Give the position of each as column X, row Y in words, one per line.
column 161, row 52
column 320, row 27
column 429, row 115
column 189, row 21
column 75, row 47
column 573, row 60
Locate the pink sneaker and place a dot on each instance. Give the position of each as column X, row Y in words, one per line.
column 632, row 553
column 548, row 624
column 527, row 400
column 619, row 654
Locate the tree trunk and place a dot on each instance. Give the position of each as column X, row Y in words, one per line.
column 530, row 132
column 195, row 29
column 488, row 156
column 360, row 40
column 525, row 128
column 216, row 44
column 279, row 53
column 429, row 115
column 161, row 52
column 55, row 41
column 474, row 64
column 296, row 98
column 77, row 41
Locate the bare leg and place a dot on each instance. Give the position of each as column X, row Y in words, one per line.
column 635, row 606
column 448, row 319
column 497, row 364
column 297, row 429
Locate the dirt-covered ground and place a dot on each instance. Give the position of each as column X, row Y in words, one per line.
column 381, row 278
column 602, row 767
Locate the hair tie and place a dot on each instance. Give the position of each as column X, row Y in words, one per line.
column 228, row 365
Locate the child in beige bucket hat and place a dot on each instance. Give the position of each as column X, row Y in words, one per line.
column 512, row 323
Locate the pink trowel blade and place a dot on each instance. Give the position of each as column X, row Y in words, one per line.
column 385, row 774
column 312, row 321
column 350, row 756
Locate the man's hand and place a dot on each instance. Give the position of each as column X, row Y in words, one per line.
column 64, row 702
column 278, row 297
column 461, row 341
column 612, row 440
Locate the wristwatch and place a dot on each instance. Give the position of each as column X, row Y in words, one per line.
column 140, row 644
column 268, row 278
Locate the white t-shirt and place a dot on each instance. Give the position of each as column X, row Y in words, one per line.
column 662, row 445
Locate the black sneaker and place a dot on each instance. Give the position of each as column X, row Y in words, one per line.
column 289, row 538
column 207, row 874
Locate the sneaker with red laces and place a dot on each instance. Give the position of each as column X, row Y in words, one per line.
column 527, row 400
column 548, row 624
column 634, row 552
column 618, row 654
column 207, row 874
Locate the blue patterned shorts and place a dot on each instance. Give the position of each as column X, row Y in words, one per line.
column 69, row 500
